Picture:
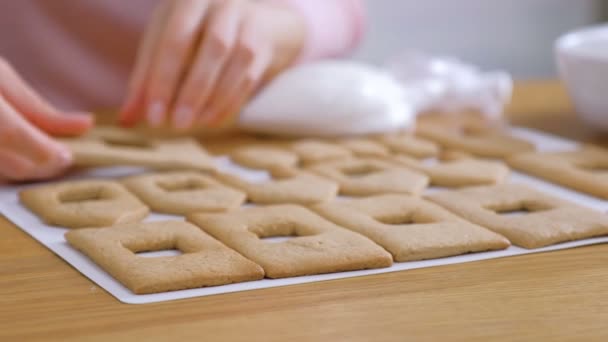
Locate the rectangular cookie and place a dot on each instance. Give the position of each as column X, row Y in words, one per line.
column 317, row 246
column 411, row 228
column 112, row 147
column 527, row 217
column 457, row 173
column 183, row 192
column 584, row 170
column 83, row 203
column 407, row 143
column 482, row 141
column 369, row 176
column 204, row 261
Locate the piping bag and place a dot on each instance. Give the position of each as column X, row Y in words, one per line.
column 343, row 97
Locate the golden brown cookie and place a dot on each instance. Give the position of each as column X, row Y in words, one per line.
column 311, row 151
column 303, row 188
column 411, row 228
column 204, row 261
column 364, row 147
column 88, row 203
column 527, row 217
column 264, row 157
column 367, row 176
column 583, row 170
column 183, row 192
column 112, row 146
column 407, row 143
column 317, row 245
column 458, row 173
column 480, row 141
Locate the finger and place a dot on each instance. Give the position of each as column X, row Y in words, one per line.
column 176, row 47
column 36, row 110
column 14, row 167
column 249, row 62
column 219, row 37
column 20, row 141
column 132, row 110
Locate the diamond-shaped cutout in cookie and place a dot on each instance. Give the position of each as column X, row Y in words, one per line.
column 184, row 192
column 89, row 203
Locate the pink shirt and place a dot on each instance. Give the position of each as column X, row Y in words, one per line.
column 79, row 53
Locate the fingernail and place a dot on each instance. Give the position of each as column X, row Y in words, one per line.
column 156, row 113
column 183, row 117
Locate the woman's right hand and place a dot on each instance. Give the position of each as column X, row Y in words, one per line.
column 26, row 151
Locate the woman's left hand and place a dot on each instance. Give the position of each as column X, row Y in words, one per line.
column 201, row 60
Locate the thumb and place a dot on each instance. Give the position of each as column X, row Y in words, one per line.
column 36, row 110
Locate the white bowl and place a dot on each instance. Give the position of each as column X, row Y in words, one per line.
column 582, row 58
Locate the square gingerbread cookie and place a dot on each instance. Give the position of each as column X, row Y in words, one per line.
column 411, row 228
column 316, row 245
column 527, row 217
column 203, row 260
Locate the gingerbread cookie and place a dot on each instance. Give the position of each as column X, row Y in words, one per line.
column 479, row 140
column 364, row 147
column 406, row 143
column 183, row 192
column 110, row 147
column 367, row 176
column 458, row 173
column 204, row 261
column 583, row 170
column 311, row 151
column 527, row 217
column 411, row 228
column 88, row 203
column 303, row 188
column 317, row 246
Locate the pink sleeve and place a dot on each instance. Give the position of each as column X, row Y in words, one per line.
column 335, row 27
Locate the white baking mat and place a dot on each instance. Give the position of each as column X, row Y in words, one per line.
column 52, row 237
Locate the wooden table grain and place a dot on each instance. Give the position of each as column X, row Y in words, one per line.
column 553, row 296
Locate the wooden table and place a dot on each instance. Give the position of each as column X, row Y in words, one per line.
column 553, row 296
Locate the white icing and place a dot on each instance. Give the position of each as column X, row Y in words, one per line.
column 329, row 98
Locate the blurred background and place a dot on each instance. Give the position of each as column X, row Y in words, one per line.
column 516, row 35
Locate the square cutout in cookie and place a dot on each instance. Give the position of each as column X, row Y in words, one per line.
column 183, row 192
column 317, row 246
column 83, row 203
column 107, row 146
column 367, row 176
column 584, row 170
column 411, row 228
column 203, row 261
column 545, row 220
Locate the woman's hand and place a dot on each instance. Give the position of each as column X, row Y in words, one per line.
column 201, row 60
column 26, row 152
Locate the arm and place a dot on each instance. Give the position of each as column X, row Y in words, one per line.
column 334, row 27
